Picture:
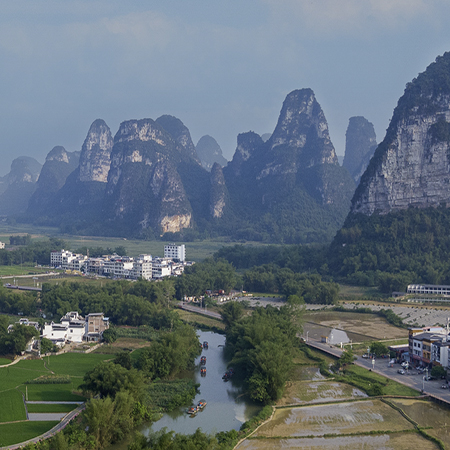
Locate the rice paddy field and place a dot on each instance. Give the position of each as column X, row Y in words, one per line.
column 11, row 433
column 14, row 389
column 400, row 441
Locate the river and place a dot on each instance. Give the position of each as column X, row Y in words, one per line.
column 226, row 407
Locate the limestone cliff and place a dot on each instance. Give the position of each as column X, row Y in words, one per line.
column 144, row 186
column 59, row 163
column 18, row 185
column 95, row 158
column 360, row 144
column 219, row 193
column 180, row 133
column 247, row 144
column 411, row 167
column 209, row 152
column 292, row 182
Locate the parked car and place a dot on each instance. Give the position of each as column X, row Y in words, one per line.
column 444, row 386
column 401, row 371
column 365, row 355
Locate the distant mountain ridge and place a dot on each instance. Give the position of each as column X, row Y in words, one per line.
column 149, row 181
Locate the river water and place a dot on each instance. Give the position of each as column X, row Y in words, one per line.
column 226, row 407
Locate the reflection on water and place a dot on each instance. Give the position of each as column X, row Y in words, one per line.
column 226, row 408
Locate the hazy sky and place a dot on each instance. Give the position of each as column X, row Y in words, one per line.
column 222, row 67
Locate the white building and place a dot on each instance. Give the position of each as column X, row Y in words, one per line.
column 75, row 328
column 428, row 289
column 2, row 245
column 175, row 252
column 161, row 268
column 142, row 269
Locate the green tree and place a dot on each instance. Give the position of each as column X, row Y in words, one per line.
column 110, row 335
column 108, row 379
column 378, row 349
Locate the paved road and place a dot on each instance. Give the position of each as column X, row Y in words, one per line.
column 199, row 310
column 413, row 379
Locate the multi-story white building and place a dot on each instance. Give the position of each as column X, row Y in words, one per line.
column 142, row 269
column 428, row 289
column 161, row 268
column 123, row 266
column 75, row 328
column 175, row 252
column 63, row 258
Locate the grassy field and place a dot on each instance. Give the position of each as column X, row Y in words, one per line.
column 12, row 406
column 55, row 408
column 195, row 251
column 11, row 433
column 390, row 387
column 21, row 269
column 4, row 361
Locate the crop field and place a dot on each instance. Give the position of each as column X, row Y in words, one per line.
column 12, row 406
column 74, row 364
column 358, row 326
column 397, row 441
column 338, row 418
column 10, row 433
column 321, row 391
column 53, row 392
column 50, row 408
column 428, row 414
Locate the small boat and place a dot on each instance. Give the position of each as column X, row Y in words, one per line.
column 205, row 344
column 228, row 374
column 203, row 360
column 203, row 371
column 201, row 404
column 192, row 410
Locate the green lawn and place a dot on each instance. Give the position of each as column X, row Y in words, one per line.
column 32, row 408
column 4, row 361
column 12, row 407
column 13, row 433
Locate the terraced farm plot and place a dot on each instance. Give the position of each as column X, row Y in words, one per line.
column 11, row 433
column 50, row 408
column 53, row 392
column 397, row 441
column 428, row 414
column 12, row 407
column 74, row 364
column 341, row 418
column 320, row 391
column 13, row 376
